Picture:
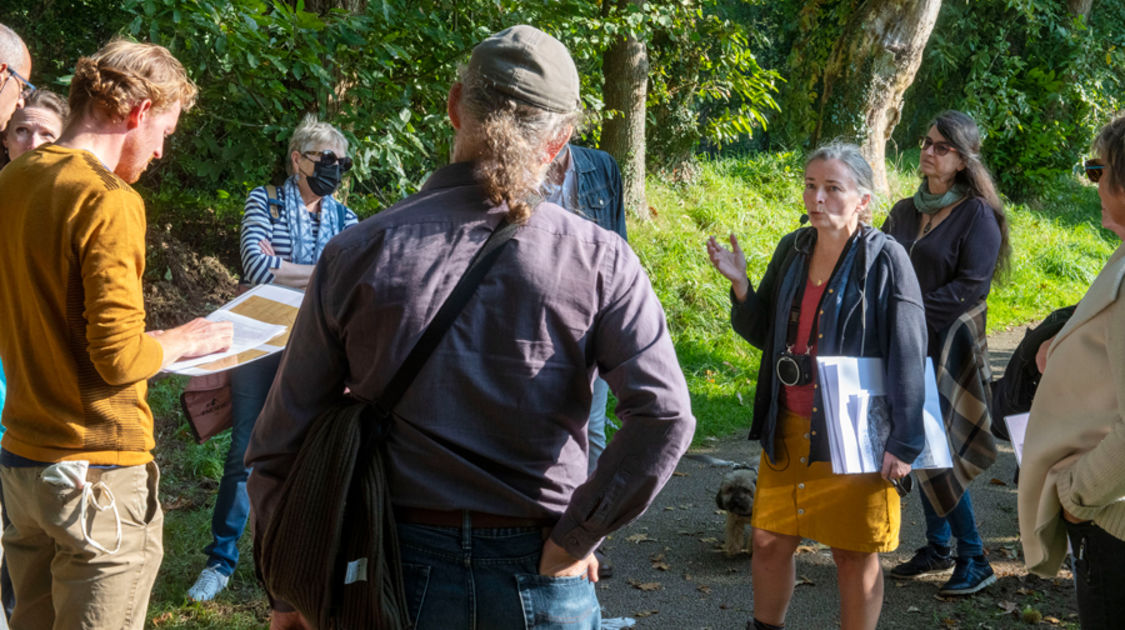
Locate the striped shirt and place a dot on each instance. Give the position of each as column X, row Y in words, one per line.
column 259, row 224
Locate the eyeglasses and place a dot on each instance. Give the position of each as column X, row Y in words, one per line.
column 940, row 148
column 1093, row 170
column 328, row 158
column 27, row 88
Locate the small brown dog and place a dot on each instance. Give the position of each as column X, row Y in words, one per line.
column 736, row 496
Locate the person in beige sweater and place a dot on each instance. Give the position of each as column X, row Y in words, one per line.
column 1072, row 483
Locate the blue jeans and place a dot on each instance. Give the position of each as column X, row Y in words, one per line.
column 1099, row 575
column 598, row 421
column 488, row 579
column 249, row 385
column 960, row 522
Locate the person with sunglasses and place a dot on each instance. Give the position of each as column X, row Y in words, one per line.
column 284, row 231
column 956, row 233
column 1072, row 483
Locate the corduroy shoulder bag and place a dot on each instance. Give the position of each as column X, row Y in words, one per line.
column 331, row 548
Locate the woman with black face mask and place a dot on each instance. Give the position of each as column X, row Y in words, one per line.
column 284, row 230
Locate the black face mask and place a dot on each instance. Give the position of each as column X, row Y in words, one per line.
column 325, row 178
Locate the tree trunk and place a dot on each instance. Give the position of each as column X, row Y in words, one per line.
column 1080, row 7
column 856, row 89
column 321, row 7
column 625, row 68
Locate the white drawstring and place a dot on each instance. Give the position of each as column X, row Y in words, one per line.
column 89, row 498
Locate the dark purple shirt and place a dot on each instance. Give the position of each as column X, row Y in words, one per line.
column 954, row 262
column 510, row 382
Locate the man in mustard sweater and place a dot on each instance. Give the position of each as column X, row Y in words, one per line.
column 85, row 539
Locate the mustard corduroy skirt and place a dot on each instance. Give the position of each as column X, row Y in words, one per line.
column 850, row 512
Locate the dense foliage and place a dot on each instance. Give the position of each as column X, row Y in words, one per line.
column 1040, row 81
column 382, row 75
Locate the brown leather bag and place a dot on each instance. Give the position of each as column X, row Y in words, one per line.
column 206, row 401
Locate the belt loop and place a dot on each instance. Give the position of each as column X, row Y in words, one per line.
column 466, row 530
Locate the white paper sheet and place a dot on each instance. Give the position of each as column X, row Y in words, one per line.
column 856, row 412
column 262, row 317
column 1017, row 430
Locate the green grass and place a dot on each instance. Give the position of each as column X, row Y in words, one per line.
column 1058, row 248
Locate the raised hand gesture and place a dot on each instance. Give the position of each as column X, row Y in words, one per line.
column 731, row 263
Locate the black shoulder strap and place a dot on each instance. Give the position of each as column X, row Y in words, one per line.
column 454, row 304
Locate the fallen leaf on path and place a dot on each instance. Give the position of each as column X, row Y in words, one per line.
column 1053, row 620
column 1008, row 606
column 668, row 507
column 703, row 588
column 804, row 581
column 997, row 482
column 710, row 540
column 914, row 609
column 639, row 538
column 680, row 474
column 645, row 613
column 661, row 566
column 645, row 586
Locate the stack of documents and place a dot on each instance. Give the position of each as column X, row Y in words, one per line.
column 262, row 318
column 858, row 418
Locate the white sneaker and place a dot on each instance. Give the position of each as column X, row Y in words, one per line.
column 210, row 583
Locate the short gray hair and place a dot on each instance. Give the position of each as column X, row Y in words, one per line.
column 11, row 47
column 850, row 156
column 313, row 133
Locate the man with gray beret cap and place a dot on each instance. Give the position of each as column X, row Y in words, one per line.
column 497, row 515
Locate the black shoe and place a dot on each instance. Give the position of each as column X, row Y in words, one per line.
column 971, row 575
column 928, row 560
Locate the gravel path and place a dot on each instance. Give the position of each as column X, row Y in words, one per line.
column 670, row 572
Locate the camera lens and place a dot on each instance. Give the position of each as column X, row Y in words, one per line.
column 788, row 371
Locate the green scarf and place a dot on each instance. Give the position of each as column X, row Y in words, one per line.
column 929, row 203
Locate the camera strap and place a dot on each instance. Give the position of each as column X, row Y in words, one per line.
column 795, row 307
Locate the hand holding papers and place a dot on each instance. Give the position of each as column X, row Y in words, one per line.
column 858, row 418
column 262, row 318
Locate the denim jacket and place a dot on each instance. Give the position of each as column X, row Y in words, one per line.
column 599, row 188
column 872, row 307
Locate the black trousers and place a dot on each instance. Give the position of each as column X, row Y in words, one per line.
column 1099, row 576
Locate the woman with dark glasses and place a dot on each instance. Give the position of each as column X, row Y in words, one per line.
column 284, row 230
column 956, row 233
column 1072, row 483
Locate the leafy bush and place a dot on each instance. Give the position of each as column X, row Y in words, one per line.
column 1039, row 81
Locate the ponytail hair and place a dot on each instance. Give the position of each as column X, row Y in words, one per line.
column 512, row 137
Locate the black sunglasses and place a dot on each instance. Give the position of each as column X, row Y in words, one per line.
column 940, row 148
column 1093, row 170
column 328, row 158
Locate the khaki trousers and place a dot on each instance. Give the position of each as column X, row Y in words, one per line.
column 63, row 582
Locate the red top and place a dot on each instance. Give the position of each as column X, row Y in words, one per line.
column 799, row 399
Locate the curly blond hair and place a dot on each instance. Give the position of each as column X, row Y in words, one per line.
column 123, row 73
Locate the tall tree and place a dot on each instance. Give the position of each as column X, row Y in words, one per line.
column 852, row 63
column 625, row 68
